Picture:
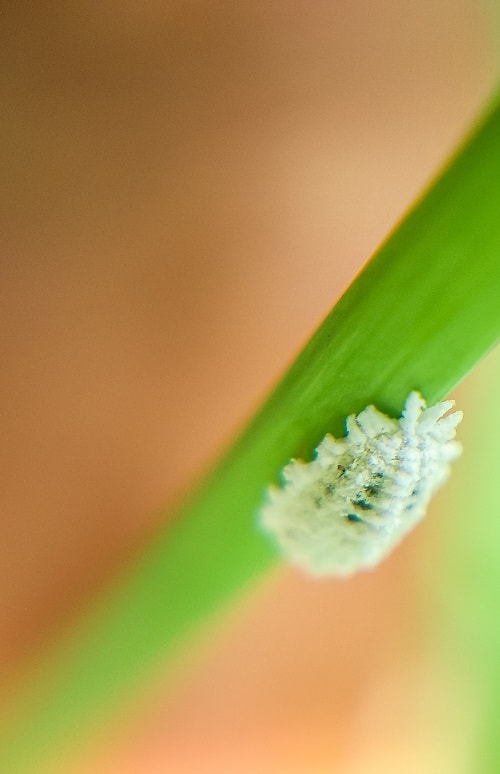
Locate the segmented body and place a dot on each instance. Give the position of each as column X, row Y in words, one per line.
column 347, row 508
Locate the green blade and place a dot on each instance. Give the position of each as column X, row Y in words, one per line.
column 424, row 310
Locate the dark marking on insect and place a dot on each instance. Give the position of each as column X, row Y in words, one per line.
column 353, row 517
column 341, row 470
column 372, row 490
column 360, row 502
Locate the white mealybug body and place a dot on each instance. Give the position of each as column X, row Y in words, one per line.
column 346, row 509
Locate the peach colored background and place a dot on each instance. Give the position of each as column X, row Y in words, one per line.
column 190, row 186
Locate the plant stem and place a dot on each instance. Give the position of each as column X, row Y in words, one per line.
column 423, row 311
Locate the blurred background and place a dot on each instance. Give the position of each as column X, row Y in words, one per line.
column 189, row 188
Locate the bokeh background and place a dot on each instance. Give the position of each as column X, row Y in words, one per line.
column 189, row 187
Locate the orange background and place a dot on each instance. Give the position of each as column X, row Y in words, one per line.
column 190, row 186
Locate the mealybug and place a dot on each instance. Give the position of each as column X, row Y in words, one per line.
column 346, row 509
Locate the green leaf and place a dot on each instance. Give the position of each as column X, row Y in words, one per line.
column 423, row 311
column 464, row 573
